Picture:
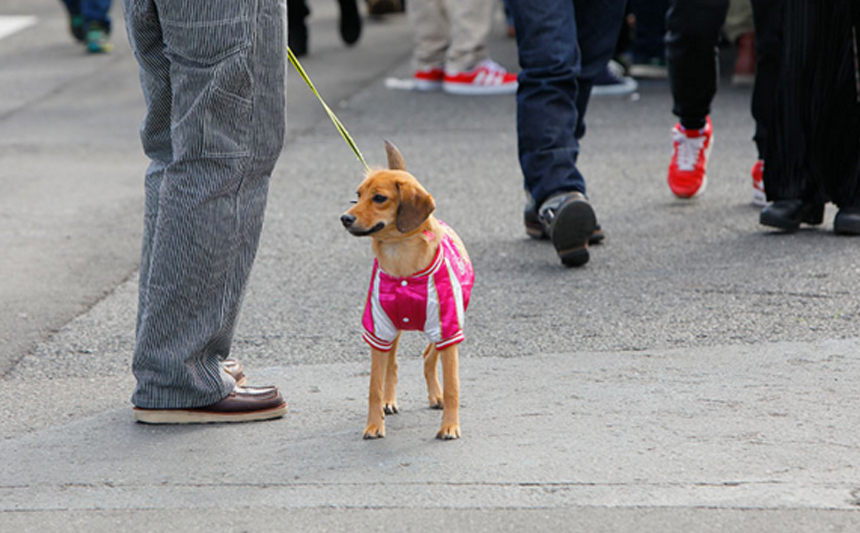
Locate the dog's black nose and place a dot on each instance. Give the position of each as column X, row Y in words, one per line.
column 347, row 220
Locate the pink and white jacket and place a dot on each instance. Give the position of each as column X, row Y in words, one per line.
column 433, row 301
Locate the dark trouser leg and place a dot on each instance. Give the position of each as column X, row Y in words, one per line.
column 835, row 132
column 297, row 12
column 563, row 45
column 812, row 150
column 768, row 43
column 650, row 29
column 693, row 28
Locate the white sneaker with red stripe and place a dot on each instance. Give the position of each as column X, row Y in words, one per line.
column 429, row 79
column 486, row 79
column 759, row 198
column 688, row 169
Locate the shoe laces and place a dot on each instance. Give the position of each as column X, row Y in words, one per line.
column 494, row 73
column 550, row 207
column 491, row 66
column 688, row 149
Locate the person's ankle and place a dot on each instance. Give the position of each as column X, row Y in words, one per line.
column 693, row 124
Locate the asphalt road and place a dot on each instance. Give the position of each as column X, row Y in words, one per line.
column 697, row 375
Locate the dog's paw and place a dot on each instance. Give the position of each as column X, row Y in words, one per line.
column 448, row 432
column 390, row 408
column 436, row 402
column 374, row 432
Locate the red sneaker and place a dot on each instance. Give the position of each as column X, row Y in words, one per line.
column 487, row 78
column 428, row 79
column 759, row 198
column 745, row 60
column 687, row 171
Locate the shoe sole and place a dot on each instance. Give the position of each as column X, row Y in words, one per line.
column 622, row 89
column 573, row 226
column 192, row 416
column 479, row 90
column 536, row 232
column 424, row 85
column 649, row 72
column 765, row 218
column 93, row 48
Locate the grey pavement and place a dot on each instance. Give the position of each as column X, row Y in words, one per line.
column 699, row 374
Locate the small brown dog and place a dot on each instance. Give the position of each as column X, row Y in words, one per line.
column 422, row 279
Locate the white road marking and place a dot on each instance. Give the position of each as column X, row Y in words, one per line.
column 399, row 84
column 10, row 24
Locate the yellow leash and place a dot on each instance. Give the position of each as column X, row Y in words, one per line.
column 337, row 124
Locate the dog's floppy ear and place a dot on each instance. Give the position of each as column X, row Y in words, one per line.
column 395, row 158
column 416, row 205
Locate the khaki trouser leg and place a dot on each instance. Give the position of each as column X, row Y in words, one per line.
column 471, row 22
column 452, row 33
column 430, row 33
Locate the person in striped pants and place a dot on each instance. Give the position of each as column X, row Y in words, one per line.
column 212, row 75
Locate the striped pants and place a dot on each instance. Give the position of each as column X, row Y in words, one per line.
column 213, row 79
column 813, row 153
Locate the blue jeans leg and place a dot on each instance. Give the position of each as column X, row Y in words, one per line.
column 563, row 45
column 96, row 11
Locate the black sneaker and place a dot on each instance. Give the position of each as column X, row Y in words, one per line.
column 297, row 29
column 350, row 22
column 789, row 214
column 569, row 220
column 612, row 82
column 535, row 229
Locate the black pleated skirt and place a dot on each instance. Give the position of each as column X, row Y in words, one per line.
column 812, row 151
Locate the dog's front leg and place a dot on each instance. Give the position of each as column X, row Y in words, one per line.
column 375, row 417
column 389, row 394
column 451, row 382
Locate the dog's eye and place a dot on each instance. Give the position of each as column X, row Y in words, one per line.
column 379, row 199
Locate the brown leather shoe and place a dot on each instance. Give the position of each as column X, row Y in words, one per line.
column 244, row 404
column 234, row 368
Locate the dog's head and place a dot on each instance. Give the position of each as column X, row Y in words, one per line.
column 391, row 203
